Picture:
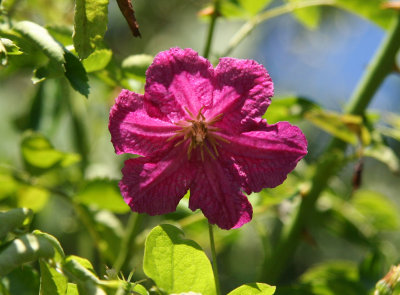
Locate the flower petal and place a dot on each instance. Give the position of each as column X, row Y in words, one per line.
column 178, row 79
column 155, row 186
column 242, row 94
column 214, row 192
column 134, row 131
column 263, row 158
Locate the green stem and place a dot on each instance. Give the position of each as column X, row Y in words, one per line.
column 381, row 65
column 132, row 228
column 211, row 28
column 214, row 259
column 249, row 26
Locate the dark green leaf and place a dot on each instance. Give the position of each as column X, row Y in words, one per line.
column 26, row 248
column 13, row 219
column 51, row 281
column 254, row 289
column 175, row 263
column 90, row 25
column 76, row 74
column 23, row 281
column 104, row 194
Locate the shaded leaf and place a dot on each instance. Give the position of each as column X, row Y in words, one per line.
column 98, row 60
column 13, row 219
column 384, row 154
column 90, row 25
column 26, row 248
column 23, row 281
column 253, row 289
column 76, row 74
column 175, row 263
column 62, row 34
column 104, row 194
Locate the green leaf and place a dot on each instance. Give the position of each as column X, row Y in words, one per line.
column 51, row 281
column 98, row 60
column 76, row 74
column 346, row 127
column 13, row 219
column 26, row 248
column 289, row 109
column 370, row 9
column 32, row 197
column 377, row 209
column 332, row 278
column 61, row 33
column 232, row 10
column 59, row 254
column 137, row 65
column 384, row 154
column 104, row 194
column 309, row 16
column 254, row 6
column 176, row 264
column 7, row 47
column 23, row 281
column 44, row 41
column 72, row 289
column 39, row 155
column 90, row 25
column 253, row 289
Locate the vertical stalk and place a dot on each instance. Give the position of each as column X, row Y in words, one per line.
column 214, row 259
column 380, row 66
column 211, row 28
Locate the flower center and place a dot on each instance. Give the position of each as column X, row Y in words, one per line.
column 200, row 133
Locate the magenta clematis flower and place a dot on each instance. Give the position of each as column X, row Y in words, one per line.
column 200, row 128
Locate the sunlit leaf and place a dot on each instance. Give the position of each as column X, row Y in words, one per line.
column 72, row 289
column 254, row 6
column 39, row 155
column 32, row 197
column 254, row 289
column 8, row 185
column 44, row 42
column 345, row 127
column 26, row 248
column 309, row 16
column 371, row 9
column 104, row 194
column 13, row 219
column 59, row 252
column 377, row 209
column 51, row 281
column 90, row 25
column 98, row 60
column 290, row 109
column 7, row 47
column 232, row 10
column 175, row 263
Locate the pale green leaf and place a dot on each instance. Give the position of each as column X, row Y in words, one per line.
column 176, row 264
column 13, row 219
column 90, row 25
column 377, row 209
column 254, row 6
column 233, row 11
column 51, row 281
column 254, row 289
column 384, row 154
column 43, row 41
column 309, row 16
column 72, row 289
column 32, row 197
column 137, row 64
column 104, row 194
column 98, row 60
column 371, row 9
column 26, row 248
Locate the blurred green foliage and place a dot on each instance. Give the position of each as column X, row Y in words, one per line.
column 64, row 228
